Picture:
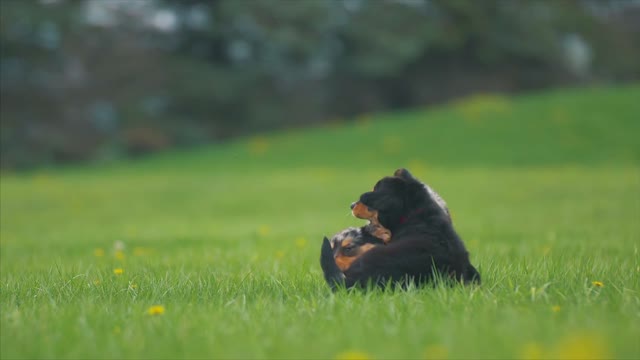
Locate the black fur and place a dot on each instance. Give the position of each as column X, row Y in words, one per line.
column 332, row 274
column 423, row 240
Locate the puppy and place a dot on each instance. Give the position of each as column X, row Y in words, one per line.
column 376, row 229
column 351, row 243
column 423, row 244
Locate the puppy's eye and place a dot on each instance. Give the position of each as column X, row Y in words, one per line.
column 349, row 249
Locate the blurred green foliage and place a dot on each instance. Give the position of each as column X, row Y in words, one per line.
column 97, row 80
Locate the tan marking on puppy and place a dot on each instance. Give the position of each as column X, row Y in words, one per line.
column 361, row 211
column 379, row 231
column 344, row 262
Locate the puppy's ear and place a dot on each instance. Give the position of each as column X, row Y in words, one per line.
column 404, row 173
column 327, row 241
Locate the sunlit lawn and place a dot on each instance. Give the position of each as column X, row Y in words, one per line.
column 213, row 253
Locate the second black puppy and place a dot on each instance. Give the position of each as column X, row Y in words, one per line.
column 424, row 241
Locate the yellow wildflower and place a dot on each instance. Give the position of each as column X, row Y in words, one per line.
column 42, row 179
column 301, row 242
column 436, row 352
column 555, row 308
column 582, row 346
column 531, row 351
column 335, row 123
column 118, row 271
column 598, row 283
column 258, row 145
column 99, row 252
column 156, row 310
column 264, row 230
column 353, row 355
column 418, row 167
column 560, row 116
column 391, row 144
column 141, row 251
column 475, row 107
column 119, row 254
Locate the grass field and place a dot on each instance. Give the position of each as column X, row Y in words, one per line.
column 222, row 243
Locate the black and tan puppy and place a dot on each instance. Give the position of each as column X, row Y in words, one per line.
column 423, row 239
column 351, row 243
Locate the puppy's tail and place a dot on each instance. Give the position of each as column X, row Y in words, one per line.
column 332, row 273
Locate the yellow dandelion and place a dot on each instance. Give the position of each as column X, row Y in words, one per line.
column 581, row 346
column 99, row 252
column 301, row 242
column 363, row 122
column 335, row 123
column 560, row 116
column 598, row 283
column 353, row 355
column 119, row 254
column 475, row 107
column 42, row 179
column 418, row 167
column 264, row 230
column 556, row 308
column 436, row 351
column 118, row 271
column 531, row 351
column 141, row 251
column 156, row 310
column 258, row 145
column 391, row 144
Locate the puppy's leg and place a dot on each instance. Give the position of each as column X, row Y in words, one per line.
column 380, row 232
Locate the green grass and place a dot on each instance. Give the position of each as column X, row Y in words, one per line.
column 544, row 189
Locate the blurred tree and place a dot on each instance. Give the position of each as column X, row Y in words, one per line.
column 99, row 79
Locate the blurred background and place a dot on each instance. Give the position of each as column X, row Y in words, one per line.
column 97, row 80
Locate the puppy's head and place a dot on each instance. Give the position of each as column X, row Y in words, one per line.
column 374, row 228
column 392, row 198
column 350, row 244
